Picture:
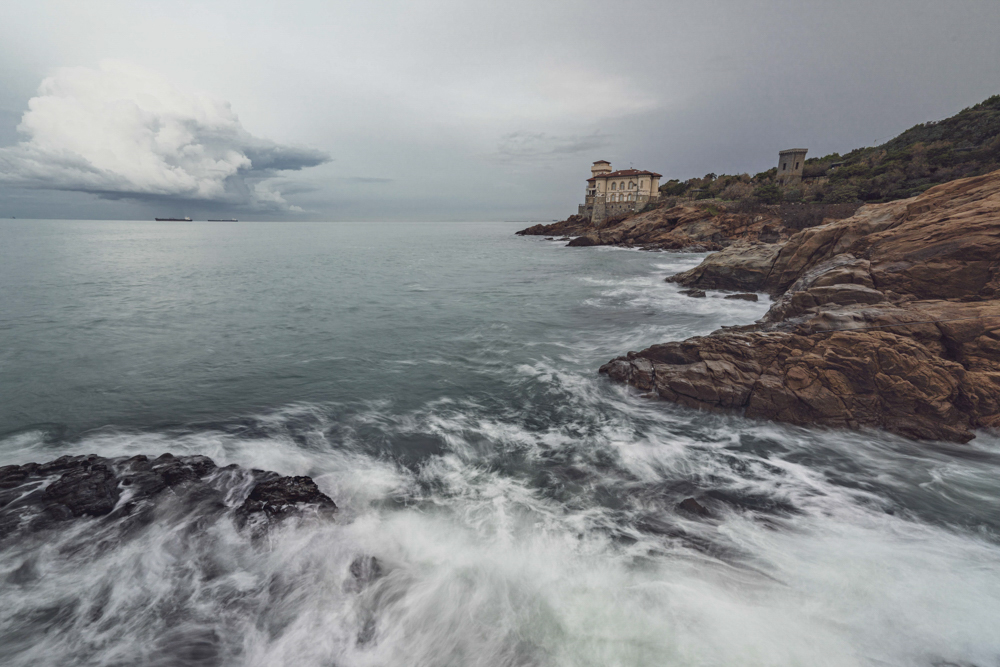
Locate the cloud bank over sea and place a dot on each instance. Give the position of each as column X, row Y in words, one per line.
column 120, row 131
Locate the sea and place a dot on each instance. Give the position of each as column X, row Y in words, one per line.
column 440, row 382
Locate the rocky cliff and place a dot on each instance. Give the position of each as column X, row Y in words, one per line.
column 886, row 319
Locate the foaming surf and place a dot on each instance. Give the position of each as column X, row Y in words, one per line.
column 519, row 542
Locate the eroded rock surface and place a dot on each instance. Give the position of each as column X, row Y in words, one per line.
column 886, row 319
column 941, row 244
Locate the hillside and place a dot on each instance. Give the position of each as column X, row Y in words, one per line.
column 967, row 144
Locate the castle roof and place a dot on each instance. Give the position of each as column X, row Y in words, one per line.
column 621, row 173
column 602, row 162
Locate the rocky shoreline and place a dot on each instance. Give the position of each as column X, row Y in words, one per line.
column 886, row 319
column 126, row 494
column 687, row 227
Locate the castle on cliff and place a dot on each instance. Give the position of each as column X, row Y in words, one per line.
column 612, row 193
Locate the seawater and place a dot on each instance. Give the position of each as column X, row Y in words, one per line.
column 439, row 381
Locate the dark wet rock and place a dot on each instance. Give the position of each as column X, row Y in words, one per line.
column 692, row 506
column 743, row 296
column 694, row 293
column 550, row 238
column 36, row 497
column 584, row 241
column 91, row 490
column 285, row 496
column 366, row 569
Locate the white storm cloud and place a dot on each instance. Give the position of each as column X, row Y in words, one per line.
column 120, row 131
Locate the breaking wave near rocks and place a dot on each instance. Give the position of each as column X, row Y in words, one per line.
column 616, row 535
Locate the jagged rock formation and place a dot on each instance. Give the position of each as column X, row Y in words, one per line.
column 40, row 496
column 677, row 228
column 885, row 319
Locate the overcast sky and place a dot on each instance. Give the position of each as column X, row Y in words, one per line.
column 451, row 109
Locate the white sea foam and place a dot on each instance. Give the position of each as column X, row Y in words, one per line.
column 483, row 568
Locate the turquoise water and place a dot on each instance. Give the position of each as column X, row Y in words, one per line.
column 439, row 382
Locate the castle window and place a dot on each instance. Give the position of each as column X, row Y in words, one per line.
column 796, row 165
column 614, row 186
column 784, row 166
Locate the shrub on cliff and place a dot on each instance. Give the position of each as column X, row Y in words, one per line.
column 673, row 188
column 967, row 144
column 769, row 193
column 841, row 194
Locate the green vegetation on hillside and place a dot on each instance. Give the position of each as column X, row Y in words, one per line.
column 967, row 144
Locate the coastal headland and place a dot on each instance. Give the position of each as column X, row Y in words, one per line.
column 888, row 318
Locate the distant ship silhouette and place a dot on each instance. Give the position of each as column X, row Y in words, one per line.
column 172, row 219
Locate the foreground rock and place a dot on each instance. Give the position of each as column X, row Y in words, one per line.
column 886, row 319
column 696, row 228
column 131, row 491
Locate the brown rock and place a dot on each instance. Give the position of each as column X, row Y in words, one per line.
column 738, row 267
column 943, row 243
column 886, row 319
column 573, row 225
column 680, row 227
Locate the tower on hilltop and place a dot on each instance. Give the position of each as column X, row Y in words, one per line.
column 790, row 165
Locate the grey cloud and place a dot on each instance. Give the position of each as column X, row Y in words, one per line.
column 367, row 179
column 120, row 132
column 521, row 145
column 269, row 156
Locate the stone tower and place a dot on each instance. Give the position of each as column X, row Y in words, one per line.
column 600, row 167
column 790, row 164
